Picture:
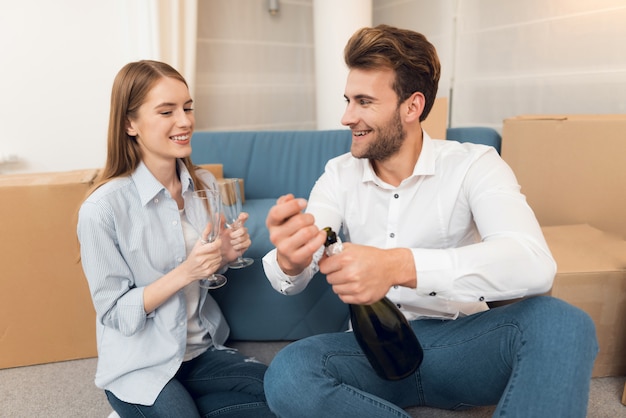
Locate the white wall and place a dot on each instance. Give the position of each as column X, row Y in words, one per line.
column 435, row 19
column 538, row 56
column 58, row 62
column 333, row 24
column 255, row 70
column 500, row 58
column 59, row 59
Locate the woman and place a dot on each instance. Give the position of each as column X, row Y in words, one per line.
column 160, row 336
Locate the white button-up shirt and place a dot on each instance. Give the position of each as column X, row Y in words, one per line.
column 473, row 236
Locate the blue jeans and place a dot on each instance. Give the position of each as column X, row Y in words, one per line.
column 532, row 358
column 218, row 383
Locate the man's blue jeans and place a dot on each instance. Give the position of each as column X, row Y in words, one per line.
column 218, row 383
column 532, row 358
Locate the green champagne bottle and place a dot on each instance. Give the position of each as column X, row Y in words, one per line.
column 382, row 331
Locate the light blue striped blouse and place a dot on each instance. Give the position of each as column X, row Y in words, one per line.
column 130, row 235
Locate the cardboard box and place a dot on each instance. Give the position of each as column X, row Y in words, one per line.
column 216, row 169
column 46, row 313
column 570, row 167
column 241, row 191
column 437, row 121
column 591, row 275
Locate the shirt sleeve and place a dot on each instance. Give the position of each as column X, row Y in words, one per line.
column 283, row 283
column 510, row 260
column 325, row 215
column 117, row 301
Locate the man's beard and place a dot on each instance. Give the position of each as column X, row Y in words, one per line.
column 390, row 138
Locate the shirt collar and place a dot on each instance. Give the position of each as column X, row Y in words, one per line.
column 148, row 186
column 425, row 163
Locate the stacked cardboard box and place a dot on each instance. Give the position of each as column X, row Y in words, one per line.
column 571, row 169
column 46, row 313
column 45, row 309
column 437, row 120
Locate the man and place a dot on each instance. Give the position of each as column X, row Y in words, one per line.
column 440, row 228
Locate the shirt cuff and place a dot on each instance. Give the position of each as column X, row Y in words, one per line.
column 285, row 284
column 434, row 270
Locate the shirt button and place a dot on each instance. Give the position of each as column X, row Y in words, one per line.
column 392, row 235
column 482, row 298
column 399, row 306
column 432, row 294
column 179, row 259
column 156, row 200
column 396, row 287
column 174, row 223
column 396, row 195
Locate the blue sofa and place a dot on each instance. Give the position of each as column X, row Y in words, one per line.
column 273, row 163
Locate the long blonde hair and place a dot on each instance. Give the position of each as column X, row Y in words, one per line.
column 130, row 89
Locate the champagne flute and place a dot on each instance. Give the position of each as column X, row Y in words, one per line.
column 231, row 204
column 206, row 212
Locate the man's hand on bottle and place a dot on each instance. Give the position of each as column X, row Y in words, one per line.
column 362, row 275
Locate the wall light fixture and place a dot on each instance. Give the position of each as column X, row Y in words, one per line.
column 273, row 7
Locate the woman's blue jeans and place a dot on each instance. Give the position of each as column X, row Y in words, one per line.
column 532, row 358
column 218, row 383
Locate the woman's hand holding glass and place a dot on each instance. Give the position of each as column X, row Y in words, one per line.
column 235, row 241
column 205, row 215
column 205, row 259
column 235, row 219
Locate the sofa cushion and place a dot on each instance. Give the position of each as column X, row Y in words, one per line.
column 256, row 312
column 258, row 209
column 477, row 135
column 272, row 163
